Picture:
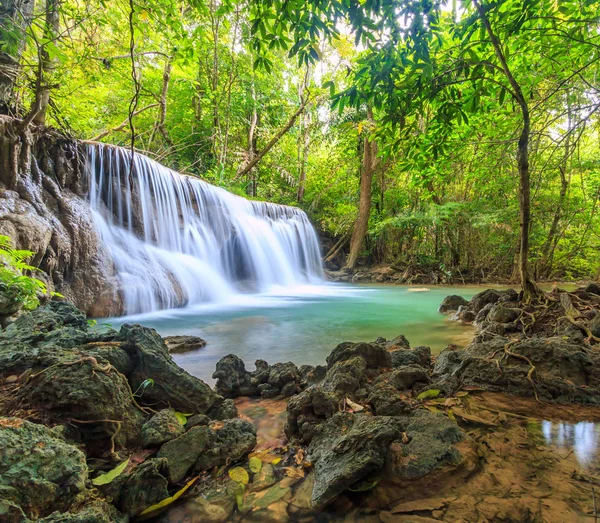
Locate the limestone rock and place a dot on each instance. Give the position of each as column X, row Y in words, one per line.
column 181, row 344
column 162, row 427
column 39, row 472
column 452, row 303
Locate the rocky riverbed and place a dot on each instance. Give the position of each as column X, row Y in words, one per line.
column 101, row 425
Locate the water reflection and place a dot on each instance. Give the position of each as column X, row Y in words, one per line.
column 580, row 437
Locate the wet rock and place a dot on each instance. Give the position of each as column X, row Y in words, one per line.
column 503, row 314
column 268, row 381
column 374, row 355
column 399, row 342
column 39, row 472
column 289, row 389
column 387, row 401
column 268, row 391
column 418, row 356
column 84, row 392
column 564, row 371
column 229, row 442
column 280, row 374
column 464, row 314
column 347, row 448
column 172, row 385
column 197, row 419
column 145, row 486
column 452, row 303
column 162, row 427
column 312, row 374
column 224, row 409
column 594, row 325
column 181, row 344
column 481, row 316
column 430, row 444
column 491, row 296
column 320, row 401
column 182, row 452
column 205, row 447
column 406, row 377
column 233, row 379
column 97, row 511
column 593, row 288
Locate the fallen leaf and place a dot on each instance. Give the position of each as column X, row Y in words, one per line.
column 239, row 475
column 152, row 510
column 255, row 464
column 473, row 418
column 429, row 394
column 181, row 418
column 354, row 406
column 105, row 479
column 294, row 472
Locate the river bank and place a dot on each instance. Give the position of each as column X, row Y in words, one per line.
column 383, row 432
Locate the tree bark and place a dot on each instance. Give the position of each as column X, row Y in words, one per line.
column 369, row 164
column 14, row 15
column 303, row 138
column 252, row 143
column 258, row 157
column 162, row 104
column 529, row 288
column 42, row 92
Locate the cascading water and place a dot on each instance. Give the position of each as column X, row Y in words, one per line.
column 176, row 240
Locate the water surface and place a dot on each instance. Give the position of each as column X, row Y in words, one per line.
column 304, row 324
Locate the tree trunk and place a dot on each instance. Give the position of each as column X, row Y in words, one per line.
column 550, row 244
column 259, row 156
column 369, row 164
column 303, row 138
column 530, row 289
column 17, row 15
column 252, row 143
column 42, row 92
column 162, row 104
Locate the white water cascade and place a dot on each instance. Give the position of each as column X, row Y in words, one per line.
column 176, row 240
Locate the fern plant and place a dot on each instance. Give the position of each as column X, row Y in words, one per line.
column 18, row 289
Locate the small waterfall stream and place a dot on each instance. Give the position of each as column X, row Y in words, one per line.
column 176, row 240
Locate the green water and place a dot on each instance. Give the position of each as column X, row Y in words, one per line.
column 304, row 326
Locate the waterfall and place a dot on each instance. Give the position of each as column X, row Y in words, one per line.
column 176, row 240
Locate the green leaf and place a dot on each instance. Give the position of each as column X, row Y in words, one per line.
column 429, row 394
column 181, row 418
column 255, row 464
column 105, row 479
column 150, row 511
column 239, row 475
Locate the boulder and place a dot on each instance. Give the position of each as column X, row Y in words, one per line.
column 182, row 452
column 204, row 447
column 594, row 325
column 233, row 379
column 172, row 385
column 374, row 355
column 593, row 288
column 181, row 344
column 418, row 356
column 399, row 342
column 452, row 303
column 565, row 371
column 97, row 511
column 162, row 427
column 145, row 486
column 89, row 394
column 406, row 377
column 39, row 472
column 280, row 374
column 347, row 448
column 502, row 314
